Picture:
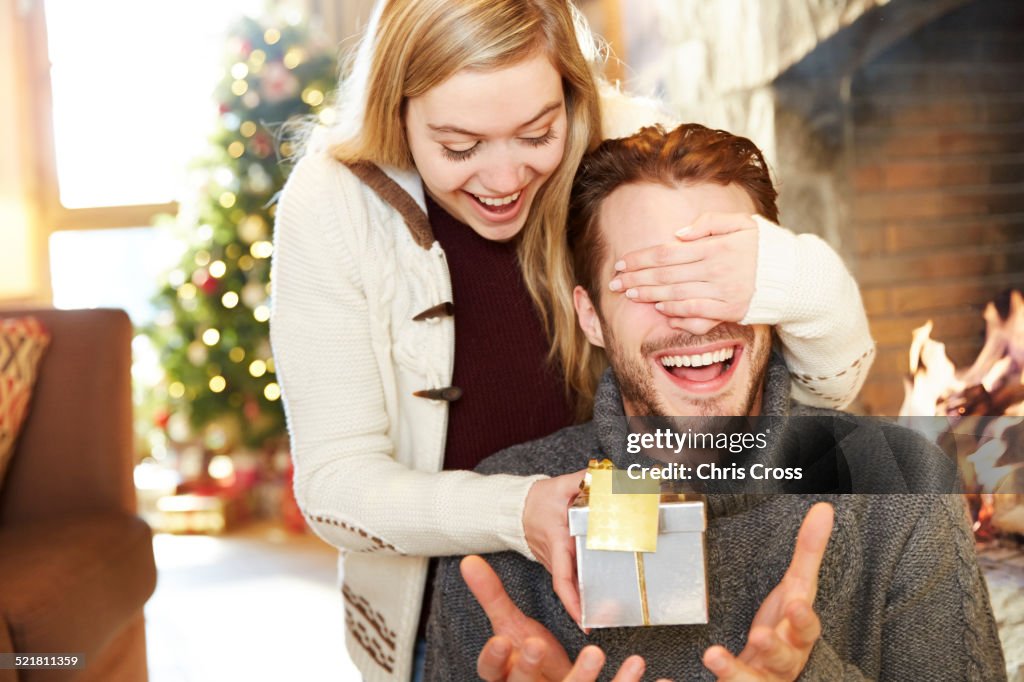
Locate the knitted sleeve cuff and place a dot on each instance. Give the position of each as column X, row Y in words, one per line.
column 511, row 510
column 776, row 273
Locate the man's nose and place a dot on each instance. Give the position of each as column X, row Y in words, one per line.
column 698, row 326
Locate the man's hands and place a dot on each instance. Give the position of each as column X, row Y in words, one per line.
column 512, row 627
column 500, row 662
column 704, row 278
column 523, row 650
column 779, row 644
column 785, row 628
column 546, row 524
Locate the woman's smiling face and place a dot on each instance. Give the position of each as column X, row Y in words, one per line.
column 485, row 142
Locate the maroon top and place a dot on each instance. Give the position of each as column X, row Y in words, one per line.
column 510, row 393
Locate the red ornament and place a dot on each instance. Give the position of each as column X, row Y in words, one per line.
column 261, row 144
column 202, row 279
column 251, row 409
column 161, row 417
column 246, row 47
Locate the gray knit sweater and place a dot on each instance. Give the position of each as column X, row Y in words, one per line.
column 900, row 594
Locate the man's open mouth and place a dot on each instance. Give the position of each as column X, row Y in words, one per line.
column 707, row 369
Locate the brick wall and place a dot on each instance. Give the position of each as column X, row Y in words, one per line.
column 936, row 181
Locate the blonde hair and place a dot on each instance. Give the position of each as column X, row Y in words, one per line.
column 412, row 46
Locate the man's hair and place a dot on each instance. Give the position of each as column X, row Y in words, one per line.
column 690, row 153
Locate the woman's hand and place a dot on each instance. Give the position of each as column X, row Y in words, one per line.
column 704, row 278
column 546, row 524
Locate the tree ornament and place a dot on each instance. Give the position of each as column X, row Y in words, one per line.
column 261, row 145
column 197, row 353
column 252, row 228
column 161, row 417
column 278, row 82
column 253, row 294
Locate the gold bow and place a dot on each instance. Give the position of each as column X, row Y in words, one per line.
column 621, row 522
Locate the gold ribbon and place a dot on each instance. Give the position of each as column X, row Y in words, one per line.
column 621, row 522
column 641, row 583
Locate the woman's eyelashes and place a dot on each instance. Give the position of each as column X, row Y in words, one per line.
column 463, row 154
column 459, row 154
column 544, row 139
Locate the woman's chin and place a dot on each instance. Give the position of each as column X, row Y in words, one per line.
column 496, row 233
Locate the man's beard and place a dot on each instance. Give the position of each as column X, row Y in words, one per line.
column 636, row 375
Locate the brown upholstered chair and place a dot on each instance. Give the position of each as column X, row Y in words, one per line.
column 76, row 563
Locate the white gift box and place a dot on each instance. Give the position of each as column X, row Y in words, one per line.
column 666, row 587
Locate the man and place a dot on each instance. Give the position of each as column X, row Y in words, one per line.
column 896, row 594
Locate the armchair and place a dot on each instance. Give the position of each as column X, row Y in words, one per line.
column 76, row 563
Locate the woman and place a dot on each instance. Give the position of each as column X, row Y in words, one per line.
column 447, row 182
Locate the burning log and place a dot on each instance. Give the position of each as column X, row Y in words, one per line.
column 973, row 401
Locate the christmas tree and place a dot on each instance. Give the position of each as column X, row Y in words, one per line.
column 212, row 331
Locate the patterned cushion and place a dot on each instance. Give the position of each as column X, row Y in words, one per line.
column 22, row 343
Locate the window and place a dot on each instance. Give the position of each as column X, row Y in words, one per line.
column 111, row 268
column 131, row 96
column 130, row 105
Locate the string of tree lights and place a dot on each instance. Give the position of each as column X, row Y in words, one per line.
column 211, row 328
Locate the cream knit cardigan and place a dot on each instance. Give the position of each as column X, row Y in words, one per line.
column 348, row 278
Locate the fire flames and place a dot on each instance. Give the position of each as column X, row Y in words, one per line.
column 983, row 406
